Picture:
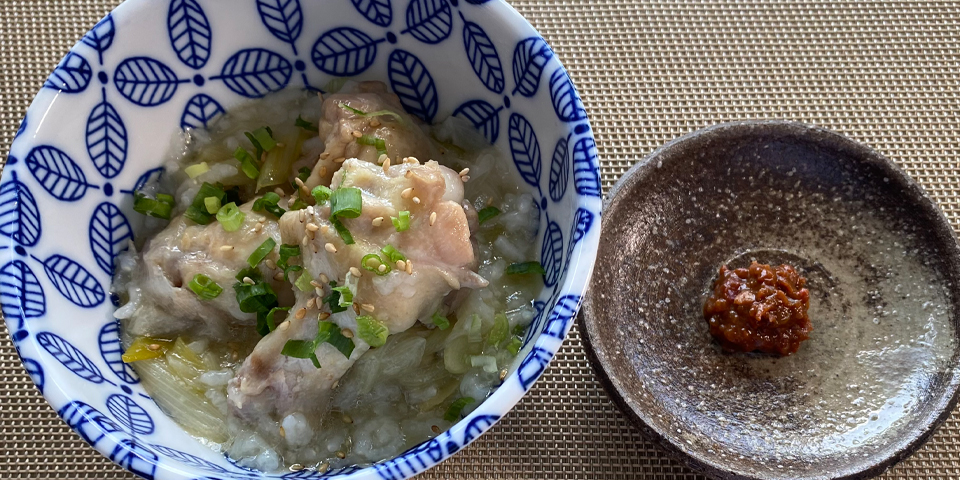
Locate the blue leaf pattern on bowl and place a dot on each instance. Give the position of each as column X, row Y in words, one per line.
column 256, row 72
column 429, row 21
column 71, row 357
column 414, row 85
column 379, row 12
column 344, row 52
column 189, row 31
column 566, row 102
column 19, row 215
column 283, row 18
column 559, row 170
column 525, row 149
column 57, row 173
column 145, row 81
column 129, row 414
column 551, row 254
column 73, row 281
column 22, row 297
column 530, row 56
column 585, row 177
column 111, row 350
column 483, row 56
column 200, row 111
column 106, row 139
column 100, row 37
column 483, row 116
column 110, row 234
column 71, row 76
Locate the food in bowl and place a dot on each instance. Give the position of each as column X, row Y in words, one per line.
column 336, row 283
column 760, row 308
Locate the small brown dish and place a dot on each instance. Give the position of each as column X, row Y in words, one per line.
column 879, row 372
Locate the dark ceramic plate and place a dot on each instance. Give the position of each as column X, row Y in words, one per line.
column 878, row 373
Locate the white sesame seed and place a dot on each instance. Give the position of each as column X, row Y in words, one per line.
column 368, row 307
column 465, row 178
column 324, row 229
column 248, row 280
column 356, row 272
column 314, row 284
column 386, row 165
column 330, row 248
column 324, row 278
column 301, row 185
column 340, row 160
column 356, row 134
column 382, row 268
column 401, row 265
column 313, row 227
column 153, row 347
column 406, row 193
column 312, row 302
column 305, row 241
column 285, row 325
column 278, row 276
column 464, row 171
column 416, row 200
column 301, row 313
column 323, row 315
column 279, row 191
column 226, row 248
column 302, row 216
column 324, row 155
column 433, row 218
column 377, row 221
column 258, row 228
column 310, row 210
column 409, row 267
column 270, row 264
column 374, row 123
column 347, row 333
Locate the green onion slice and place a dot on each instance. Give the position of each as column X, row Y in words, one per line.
column 212, row 204
column 198, row 210
column 392, row 254
column 372, row 331
column 453, row 411
column 261, row 252
column 255, row 298
column 230, row 217
column 440, row 321
column 262, row 140
column 327, row 332
column 305, row 124
column 269, row 202
column 402, row 221
column 333, row 299
column 301, row 349
column 248, row 164
column 372, row 262
column 266, row 322
column 321, row 194
column 487, row 213
column 197, row 169
column 303, row 282
column 500, row 330
column 525, row 268
column 205, row 287
column 514, row 345
column 346, row 296
column 346, row 202
column 345, row 234
column 159, row 207
column 374, row 141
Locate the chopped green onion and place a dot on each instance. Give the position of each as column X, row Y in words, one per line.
column 525, row 268
column 255, row 298
column 440, row 321
column 230, row 217
column 205, row 287
column 333, row 300
column 160, row 207
column 514, row 345
column 269, row 202
column 346, row 296
column 248, row 164
column 321, row 194
column 500, row 330
column 392, row 254
column 266, row 322
column 303, row 282
column 488, row 363
column 372, row 331
column 261, row 252
column 298, row 205
column 212, row 204
column 303, row 174
column 305, row 124
column 342, row 231
column 453, row 411
column 301, row 349
column 346, row 202
column 373, row 141
column 519, row 330
column 198, row 210
column 378, row 113
column 262, row 140
column 402, row 221
column 252, row 272
column 379, row 267
column 197, row 169
column 286, row 253
column 487, row 213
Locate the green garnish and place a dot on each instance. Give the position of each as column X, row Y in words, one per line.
column 212, row 204
column 159, row 207
column 286, row 253
column 197, row 169
column 453, row 411
column 402, row 221
column 248, row 164
column 342, row 231
column 514, row 345
column 269, row 202
column 378, row 267
column 346, row 202
column 230, row 217
column 525, row 268
column 346, row 296
column 303, row 282
column 378, row 113
column 333, row 300
column 321, row 194
column 303, row 174
column 519, row 330
column 261, row 252
column 262, row 140
column 327, row 332
column 372, row 331
column 305, row 124
column 266, row 322
column 392, row 254
column 205, row 287
column 258, row 297
column 374, row 141
column 198, row 210
column 487, row 213
column 500, row 330
column 440, row 321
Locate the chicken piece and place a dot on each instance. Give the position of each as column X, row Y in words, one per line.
column 270, row 386
column 164, row 306
column 437, row 243
column 340, row 127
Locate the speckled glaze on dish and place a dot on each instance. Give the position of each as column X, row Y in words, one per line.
column 879, row 371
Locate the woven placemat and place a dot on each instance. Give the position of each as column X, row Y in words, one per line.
column 884, row 73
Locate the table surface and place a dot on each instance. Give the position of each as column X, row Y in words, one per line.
column 882, row 72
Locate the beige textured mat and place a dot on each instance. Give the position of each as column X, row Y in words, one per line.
column 884, row 73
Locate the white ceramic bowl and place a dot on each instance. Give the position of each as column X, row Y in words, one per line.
column 101, row 122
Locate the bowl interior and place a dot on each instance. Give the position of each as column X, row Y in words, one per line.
column 878, row 372
column 103, row 121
